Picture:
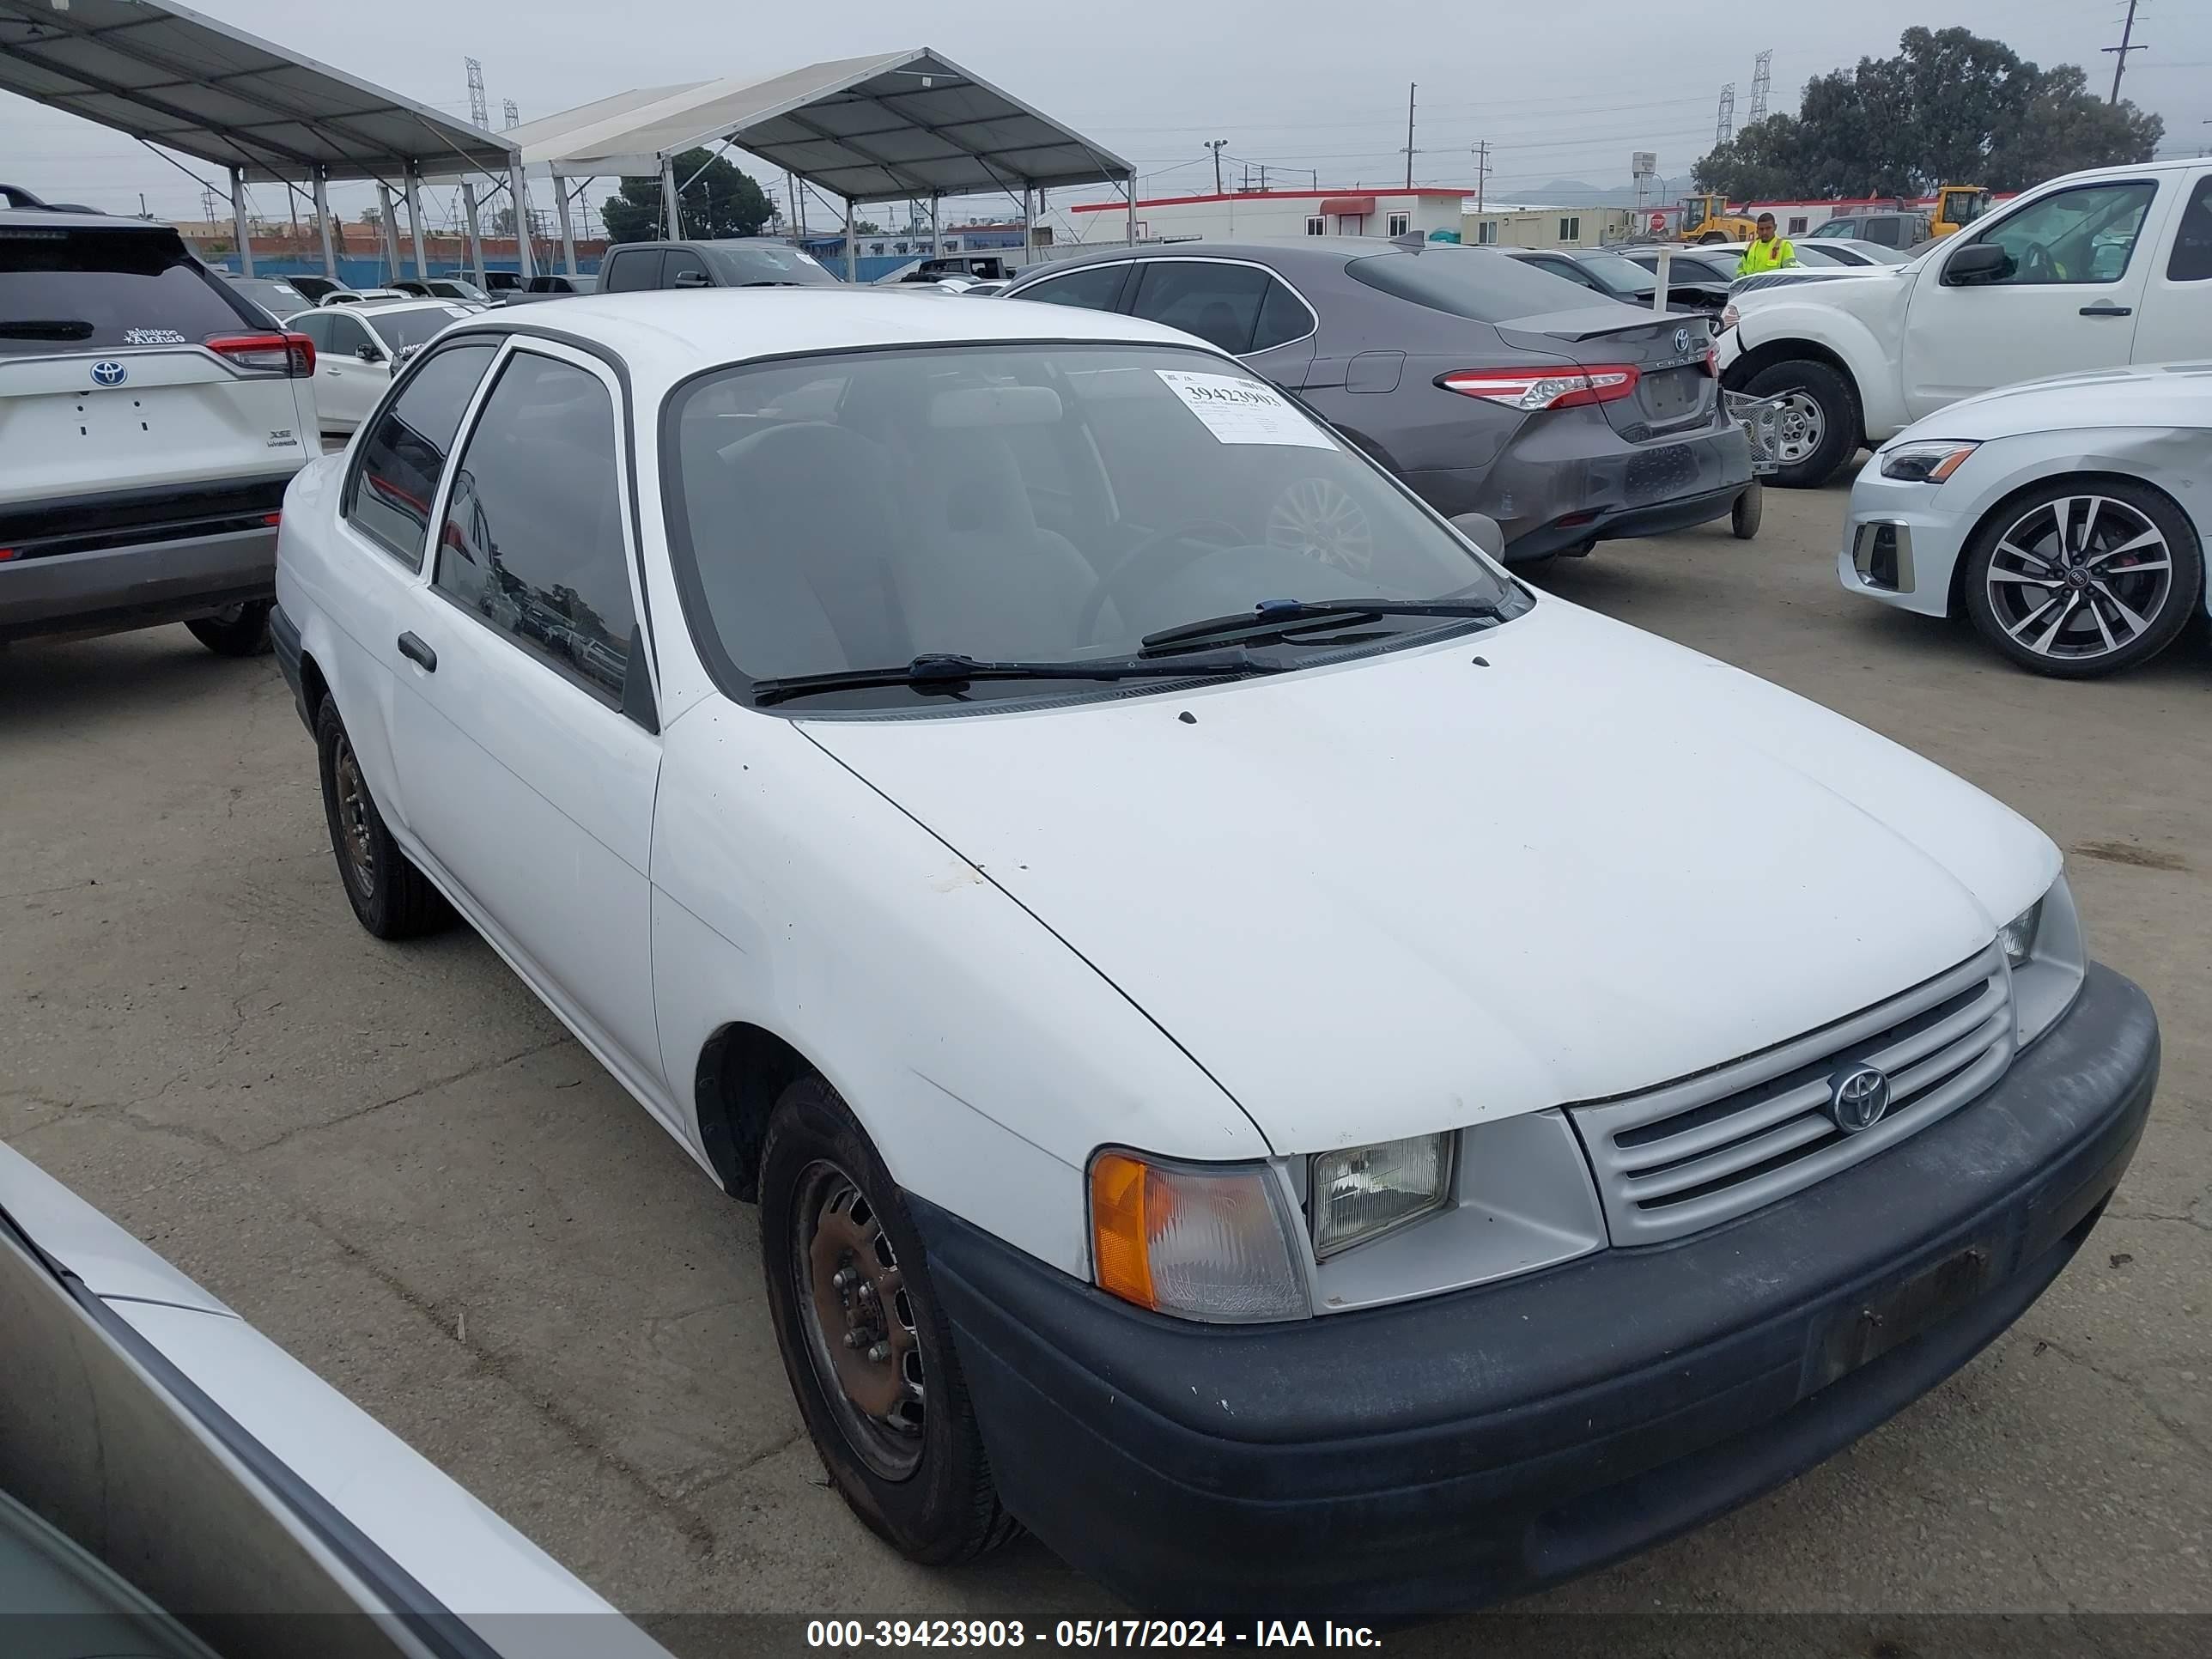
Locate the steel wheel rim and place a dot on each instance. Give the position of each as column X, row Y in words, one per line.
column 861, row 1332
column 1799, row 427
column 357, row 845
column 1317, row 517
column 2080, row 578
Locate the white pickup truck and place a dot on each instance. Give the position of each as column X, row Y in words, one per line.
column 2091, row 270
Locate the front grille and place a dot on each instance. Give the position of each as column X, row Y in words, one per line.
column 1705, row 1149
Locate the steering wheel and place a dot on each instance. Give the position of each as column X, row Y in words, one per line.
column 2035, row 264
column 1139, row 561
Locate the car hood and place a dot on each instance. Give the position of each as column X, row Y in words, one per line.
column 2144, row 395
column 1414, row 891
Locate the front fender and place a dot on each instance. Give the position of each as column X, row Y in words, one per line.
column 1787, row 324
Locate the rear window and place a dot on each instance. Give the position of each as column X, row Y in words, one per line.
column 739, row 266
column 1490, row 287
column 402, row 329
column 66, row 290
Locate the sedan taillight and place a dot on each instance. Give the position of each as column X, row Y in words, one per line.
column 293, row 355
column 1533, row 389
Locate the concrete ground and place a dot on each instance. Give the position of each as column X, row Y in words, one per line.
column 397, row 1163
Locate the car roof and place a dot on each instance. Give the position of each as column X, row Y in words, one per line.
column 60, row 219
column 385, row 308
column 664, row 337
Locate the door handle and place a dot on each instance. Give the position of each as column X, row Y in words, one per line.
column 2106, row 308
column 414, row 650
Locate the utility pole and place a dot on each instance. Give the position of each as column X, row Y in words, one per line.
column 1409, row 135
column 1481, row 153
column 2120, row 53
column 1215, row 145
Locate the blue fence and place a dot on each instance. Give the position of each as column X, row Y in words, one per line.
column 361, row 270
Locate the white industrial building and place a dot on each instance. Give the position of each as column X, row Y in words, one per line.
column 1552, row 227
column 1361, row 211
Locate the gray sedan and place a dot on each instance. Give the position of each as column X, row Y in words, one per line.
column 1488, row 385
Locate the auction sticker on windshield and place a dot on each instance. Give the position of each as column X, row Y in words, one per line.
column 1240, row 411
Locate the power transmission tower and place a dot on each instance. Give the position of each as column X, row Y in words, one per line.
column 1481, row 153
column 479, row 111
column 2120, row 53
column 512, row 117
column 1215, row 145
column 1762, row 70
column 1725, row 122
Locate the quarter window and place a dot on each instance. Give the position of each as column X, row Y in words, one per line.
column 395, row 479
column 1283, row 318
column 1219, row 303
column 2077, row 236
column 533, row 542
column 1094, row 288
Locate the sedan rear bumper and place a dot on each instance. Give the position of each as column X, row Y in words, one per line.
column 1402, row 1461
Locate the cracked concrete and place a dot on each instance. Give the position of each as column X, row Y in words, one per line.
column 395, row 1162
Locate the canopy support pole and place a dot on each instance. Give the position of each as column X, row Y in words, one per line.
column 476, row 229
column 1029, row 224
column 415, row 222
column 1133, row 209
column 852, row 245
column 387, row 234
column 670, row 200
column 518, row 190
column 567, row 231
column 936, row 236
column 237, row 220
column 322, row 222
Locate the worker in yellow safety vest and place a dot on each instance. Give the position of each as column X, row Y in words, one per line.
column 1769, row 252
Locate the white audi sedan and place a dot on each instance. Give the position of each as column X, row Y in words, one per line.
column 2066, row 517
column 1315, row 1081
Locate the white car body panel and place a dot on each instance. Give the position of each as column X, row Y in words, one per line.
column 1011, row 938
column 1913, row 346
column 2152, row 422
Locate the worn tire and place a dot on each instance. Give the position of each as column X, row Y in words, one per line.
column 1839, row 417
column 1745, row 514
column 389, row 896
column 2184, row 600
column 945, row 1509
column 240, row 630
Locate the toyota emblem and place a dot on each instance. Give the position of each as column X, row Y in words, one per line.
column 1858, row 1099
column 109, row 372
column 1682, row 339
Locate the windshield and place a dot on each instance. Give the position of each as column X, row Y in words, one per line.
column 1621, row 276
column 1478, row 283
column 1023, row 503
column 416, row 326
column 769, row 262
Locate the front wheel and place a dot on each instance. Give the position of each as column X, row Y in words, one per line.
column 238, row 630
column 868, row 1351
column 1818, row 426
column 2080, row 578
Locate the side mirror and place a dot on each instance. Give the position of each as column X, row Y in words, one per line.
column 368, row 354
column 693, row 279
column 1983, row 262
column 1483, row 530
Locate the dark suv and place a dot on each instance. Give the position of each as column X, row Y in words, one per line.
column 731, row 262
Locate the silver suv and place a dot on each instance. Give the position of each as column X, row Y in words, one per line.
column 150, row 418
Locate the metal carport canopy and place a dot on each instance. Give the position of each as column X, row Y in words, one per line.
column 172, row 77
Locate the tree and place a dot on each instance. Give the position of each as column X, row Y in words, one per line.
column 719, row 201
column 867, row 228
column 1951, row 107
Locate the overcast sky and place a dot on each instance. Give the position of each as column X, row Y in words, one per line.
column 1563, row 90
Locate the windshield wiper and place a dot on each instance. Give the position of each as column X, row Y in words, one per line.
column 945, row 672
column 1273, row 616
column 46, row 328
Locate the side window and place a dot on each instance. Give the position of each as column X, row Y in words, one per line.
column 533, row 542
column 1401, row 223
column 348, row 336
column 2192, row 260
column 1219, row 303
column 316, row 327
column 1094, row 288
column 631, row 271
column 1283, row 318
column 681, row 268
column 1566, row 268
column 395, row 476
column 2083, row 235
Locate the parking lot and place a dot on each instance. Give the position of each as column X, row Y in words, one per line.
column 396, row 1163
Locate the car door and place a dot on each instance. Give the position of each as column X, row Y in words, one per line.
column 347, row 385
column 524, row 730
column 2176, row 324
column 1243, row 308
column 2065, row 299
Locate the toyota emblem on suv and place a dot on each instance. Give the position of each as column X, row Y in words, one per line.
column 109, row 372
column 1857, row 1099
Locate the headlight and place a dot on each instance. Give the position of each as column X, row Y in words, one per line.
column 2048, row 962
column 2018, row 935
column 1929, row 462
column 1369, row 1191
column 1209, row 1242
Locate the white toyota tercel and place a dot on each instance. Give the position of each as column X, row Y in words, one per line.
column 1307, row 1073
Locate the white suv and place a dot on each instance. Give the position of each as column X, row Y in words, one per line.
column 151, row 419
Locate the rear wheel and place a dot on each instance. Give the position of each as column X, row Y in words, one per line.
column 868, row 1351
column 238, row 630
column 1749, row 508
column 1819, row 429
column 2080, row 578
column 389, row 896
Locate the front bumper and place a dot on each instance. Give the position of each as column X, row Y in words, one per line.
column 1899, row 546
column 1403, row 1461
column 135, row 586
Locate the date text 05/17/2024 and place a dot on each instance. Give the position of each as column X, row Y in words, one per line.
column 1086, row 1633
